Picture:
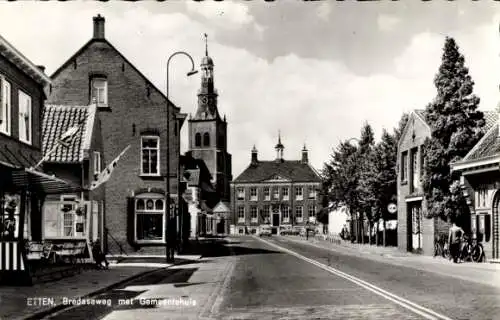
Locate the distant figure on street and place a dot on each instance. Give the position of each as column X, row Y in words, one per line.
column 99, row 256
column 454, row 239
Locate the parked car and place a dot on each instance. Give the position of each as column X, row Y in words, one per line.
column 265, row 231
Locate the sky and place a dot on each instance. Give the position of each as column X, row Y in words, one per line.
column 315, row 71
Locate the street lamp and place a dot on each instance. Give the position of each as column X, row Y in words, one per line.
column 170, row 246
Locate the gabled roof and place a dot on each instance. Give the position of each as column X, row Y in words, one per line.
column 490, row 118
column 58, row 119
column 93, row 40
column 417, row 113
column 294, row 170
column 17, row 58
column 221, row 207
column 487, row 147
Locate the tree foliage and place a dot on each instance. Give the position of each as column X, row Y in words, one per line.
column 455, row 128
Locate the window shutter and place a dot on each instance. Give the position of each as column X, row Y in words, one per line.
column 130, row 221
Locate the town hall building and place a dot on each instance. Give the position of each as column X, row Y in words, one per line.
column 283, row 193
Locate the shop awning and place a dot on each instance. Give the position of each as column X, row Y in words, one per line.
column 41, row 182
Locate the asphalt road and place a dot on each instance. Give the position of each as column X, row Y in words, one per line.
column 254, row 279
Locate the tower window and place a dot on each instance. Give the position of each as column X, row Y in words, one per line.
column 197, row 140
column 206, row 139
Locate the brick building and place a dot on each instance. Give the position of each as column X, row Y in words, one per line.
column 480, row 179
column 23, row 187
column 133, row 113
column 208, row 142
column 416, row 233
column 283, row 193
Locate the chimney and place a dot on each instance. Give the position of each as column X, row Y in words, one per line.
column 254, row 155
column 305, row 158
column 99, row 27
column 42, row 68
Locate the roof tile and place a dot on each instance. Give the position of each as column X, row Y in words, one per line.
column 294, row 170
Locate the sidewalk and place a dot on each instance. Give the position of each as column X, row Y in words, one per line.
column 488, row 274
column 25, row 302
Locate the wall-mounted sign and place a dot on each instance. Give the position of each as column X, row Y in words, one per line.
column 392, row 208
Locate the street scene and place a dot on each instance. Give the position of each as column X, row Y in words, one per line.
column 249, row 160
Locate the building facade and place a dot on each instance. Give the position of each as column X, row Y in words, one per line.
column 73, row 216
column 416, row 232
column 23, row 187
column 133, row 112
column 480, row 180
column 283, row 193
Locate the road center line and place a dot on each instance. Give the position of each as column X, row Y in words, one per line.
column 418, row 309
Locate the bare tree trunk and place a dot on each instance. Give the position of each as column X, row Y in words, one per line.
column 376, row 232
column 369, row 232
column 384, row 234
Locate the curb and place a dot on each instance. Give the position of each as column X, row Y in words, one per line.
column 44, row 313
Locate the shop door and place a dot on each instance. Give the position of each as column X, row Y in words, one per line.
column 416, row 221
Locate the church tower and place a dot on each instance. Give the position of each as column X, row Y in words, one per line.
column 208, row 132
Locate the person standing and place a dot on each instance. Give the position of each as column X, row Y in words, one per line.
column 454, row 238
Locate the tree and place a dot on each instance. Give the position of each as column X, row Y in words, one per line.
column 455, row 128
column 366, row 165
column 340, row 177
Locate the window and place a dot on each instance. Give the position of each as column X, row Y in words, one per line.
column 206, row 139
column 298, row 193
column 150, row 147
column 285, row 211
column 149, row 218
column 276, row 194
column 415, row 177
column 266, row 213
column 312, row 211
column 253, row 213
column 99, row 92
column 253, row 194
column 312, row 193
column 404, row 166
column 241, row 193
column 241, row 214
column 5, row 106
column 267, row 194
column 25, row 117
column 197, row 140
column 9, row 219
column 286, row 195
column 422, row 161
column 482, row 198
column 298, row 214
column 68, row 209
column 97, row 162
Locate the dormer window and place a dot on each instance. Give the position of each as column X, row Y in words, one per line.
column 99, row 91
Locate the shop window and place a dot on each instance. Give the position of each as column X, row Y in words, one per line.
column 9, row 223
column 149, row 218
column 68, row 210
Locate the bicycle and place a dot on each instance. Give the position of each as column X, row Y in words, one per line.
column 472, row 250
column 441, row 247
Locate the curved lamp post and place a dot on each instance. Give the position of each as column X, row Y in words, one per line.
column 170, row 247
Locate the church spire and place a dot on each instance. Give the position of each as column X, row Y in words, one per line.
column 207, row 94
column 206, row 45
column 279, row 148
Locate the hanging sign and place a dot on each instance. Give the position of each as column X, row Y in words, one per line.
column 392, row 208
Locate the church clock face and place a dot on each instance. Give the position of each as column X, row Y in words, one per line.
column 204, row 100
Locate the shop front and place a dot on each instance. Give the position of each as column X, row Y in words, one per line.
column 22, row 193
